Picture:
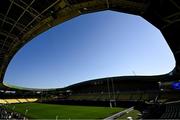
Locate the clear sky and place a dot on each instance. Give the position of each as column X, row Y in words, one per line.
column 96, row 45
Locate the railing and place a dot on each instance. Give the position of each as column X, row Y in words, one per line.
column 119, row 114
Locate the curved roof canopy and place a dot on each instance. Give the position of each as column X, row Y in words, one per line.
column 22, row 20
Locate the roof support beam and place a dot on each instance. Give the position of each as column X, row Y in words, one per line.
column 7, row 34
column 17, row 22
column 36, row 18
column 30, row 8
column 171, row 19
column 39, row 15
column 175, row 4
column 24, row 8
column 10, row 6
column 11, row 22
column 172, row 15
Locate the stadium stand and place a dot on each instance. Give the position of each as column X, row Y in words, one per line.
column 118, row 89
column 172, row 111
column 149, row 99
column 2, row 101
column 121, row 96
column 9, row 115
column 9, row 101
column 31, row 99
column 162, row 111
column 22, row 100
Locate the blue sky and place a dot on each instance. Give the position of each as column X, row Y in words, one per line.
column 96, row 45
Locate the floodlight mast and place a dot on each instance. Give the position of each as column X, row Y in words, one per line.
column 133, row 72
column 114, row 99
column 107, row 1
column 109, row 93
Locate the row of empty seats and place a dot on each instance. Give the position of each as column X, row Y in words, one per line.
column 10, row 115
column 172, row 111
column 117, row 96
column 21, row 100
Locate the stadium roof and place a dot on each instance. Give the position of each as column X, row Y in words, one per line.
column 22, row 20
column 124, row 81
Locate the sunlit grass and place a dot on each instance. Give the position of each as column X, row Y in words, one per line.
column 50, row 111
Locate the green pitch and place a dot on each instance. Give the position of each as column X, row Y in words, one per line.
column 50, row 111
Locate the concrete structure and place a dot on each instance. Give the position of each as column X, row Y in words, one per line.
column 22, row 20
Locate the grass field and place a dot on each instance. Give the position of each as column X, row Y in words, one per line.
column 50, row 111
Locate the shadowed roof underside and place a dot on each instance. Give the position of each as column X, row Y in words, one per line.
column 22, row 20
